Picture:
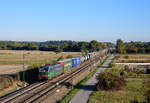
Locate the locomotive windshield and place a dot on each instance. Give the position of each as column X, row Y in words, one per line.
column 44, row 69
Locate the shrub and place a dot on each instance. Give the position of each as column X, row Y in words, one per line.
column 113, row 71
column 34, row 66
column 31, row 74
column 123, row 73
column 111, row 65
column 60, row 58
column 69, row 56
column 147, row 94
column 109, row 81
column 126, row 57
column 146, row 84
column 148, row 71
column 5, row 82
column 117, row 57
column 126, row 67
column 140, row 71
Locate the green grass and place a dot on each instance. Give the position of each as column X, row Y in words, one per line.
column 135, row 86
column 133, row 93
column 68, row 97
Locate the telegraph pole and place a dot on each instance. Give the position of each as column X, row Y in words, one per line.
column 23, row 56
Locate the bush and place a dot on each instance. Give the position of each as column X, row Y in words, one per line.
column 109, row 81
column 147, row 94
column 146, row 84
column 34, row 66
column 60, row 58
column 148, row 71
column 69, row 56
column 140, row 71
column 123, row 73
column 31, row 74
column 126, row 57
column 126, row 67
column 117, row 57
column 113, row 71
column 5, row 82
column 111, row 65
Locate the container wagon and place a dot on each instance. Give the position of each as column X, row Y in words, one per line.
column 67, row 64
column 75, row 61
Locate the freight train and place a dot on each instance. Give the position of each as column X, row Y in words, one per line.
column 49, row 71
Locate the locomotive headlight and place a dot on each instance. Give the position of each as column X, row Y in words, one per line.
column 41, row 70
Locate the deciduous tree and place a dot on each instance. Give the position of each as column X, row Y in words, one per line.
column 120, row 47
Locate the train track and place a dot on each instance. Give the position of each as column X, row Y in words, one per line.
column 50, row 89
column 35, row 92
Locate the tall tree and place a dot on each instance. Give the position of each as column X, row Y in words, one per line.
column 131, row 48
column 147, row 49
column 83, row 46
column 94, row 46
column 120, row 47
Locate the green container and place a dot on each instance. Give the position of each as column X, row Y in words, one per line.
column 67, row 64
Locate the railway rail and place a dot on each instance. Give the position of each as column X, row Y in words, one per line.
column 37, row 91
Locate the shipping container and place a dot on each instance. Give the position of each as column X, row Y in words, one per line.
column 67, row 64
column 82, row 59
column 94, row 53
column 78, row 60
column 75, row 61
column 91, row 55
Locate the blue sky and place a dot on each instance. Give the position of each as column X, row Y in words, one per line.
column 102, row 20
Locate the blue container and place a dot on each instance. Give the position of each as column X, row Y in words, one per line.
column 78, row 60
column 75, row 61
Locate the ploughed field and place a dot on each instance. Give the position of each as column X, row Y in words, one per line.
column 11, row 61
column 132, row 58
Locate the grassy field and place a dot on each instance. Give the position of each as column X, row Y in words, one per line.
column 133, row 93
column 11, row 61
column 132, row 58
column 9, row 57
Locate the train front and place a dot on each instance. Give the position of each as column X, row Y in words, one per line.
column 43, row 72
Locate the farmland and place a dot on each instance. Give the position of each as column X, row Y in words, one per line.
column 11, row 61
column 132, row 58
column 137, row 79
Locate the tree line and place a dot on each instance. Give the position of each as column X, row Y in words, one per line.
column 57, row 46
column 132, row 47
